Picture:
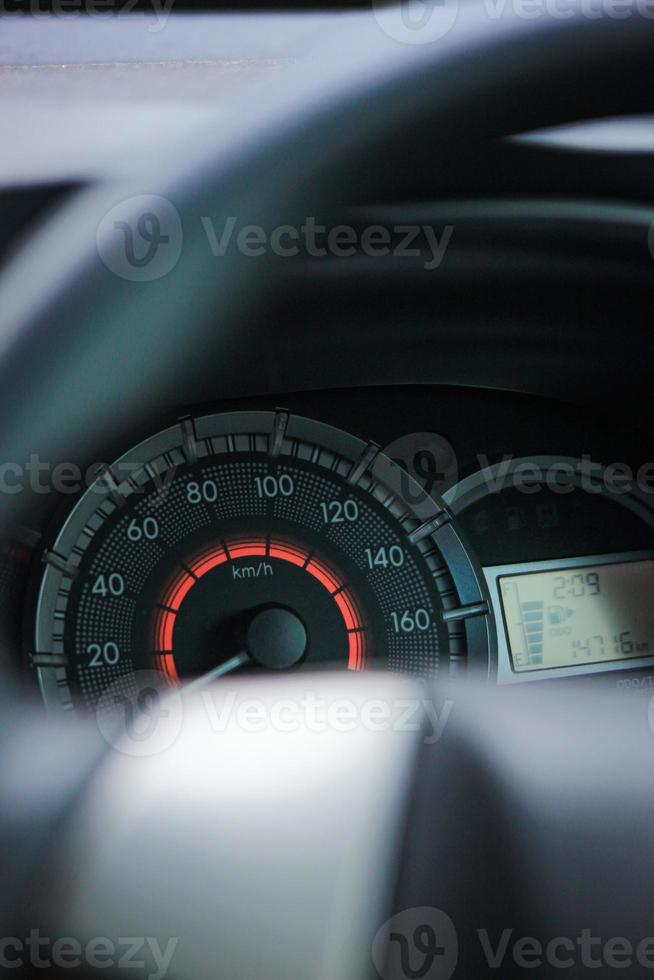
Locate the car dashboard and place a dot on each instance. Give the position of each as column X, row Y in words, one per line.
column 432, row 530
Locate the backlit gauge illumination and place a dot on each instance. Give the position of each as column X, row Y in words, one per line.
column 252, row 541
column 282, row 568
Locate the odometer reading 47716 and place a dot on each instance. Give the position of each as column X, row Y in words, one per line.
column 573, row 616
column 252, row 541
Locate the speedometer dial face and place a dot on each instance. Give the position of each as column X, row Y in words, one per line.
column 252, row 541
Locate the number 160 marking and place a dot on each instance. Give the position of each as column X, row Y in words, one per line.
column 408, row 622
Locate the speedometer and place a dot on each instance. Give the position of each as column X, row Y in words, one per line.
column 252, row 541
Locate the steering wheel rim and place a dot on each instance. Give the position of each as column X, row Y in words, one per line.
column 121, row 345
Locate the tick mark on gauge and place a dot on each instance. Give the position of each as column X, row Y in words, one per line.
column 423, row 530
column 189, row 441
column 278, row 432
column 107, row 477
column 49, row 660
column 309, row 557
column 465, row 612
column 189, row 571
column 364, row 461
column 60, row 563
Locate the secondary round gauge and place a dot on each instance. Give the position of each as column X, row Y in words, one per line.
column 568, row 554
column 539, row 507
column 252, row 541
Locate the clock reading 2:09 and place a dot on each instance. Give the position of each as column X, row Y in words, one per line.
column 252, row 541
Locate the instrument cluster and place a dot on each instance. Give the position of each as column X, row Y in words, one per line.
column 428, row 531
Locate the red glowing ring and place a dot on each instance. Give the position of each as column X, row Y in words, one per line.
column 233, row 549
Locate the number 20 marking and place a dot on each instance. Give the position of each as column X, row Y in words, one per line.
column 102, row 656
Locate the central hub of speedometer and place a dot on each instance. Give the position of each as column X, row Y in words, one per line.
column 276, row 638
column 252, row 541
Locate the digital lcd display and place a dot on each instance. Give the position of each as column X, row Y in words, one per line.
column 568, row 617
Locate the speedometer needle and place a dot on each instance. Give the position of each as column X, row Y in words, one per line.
column 225, row 668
